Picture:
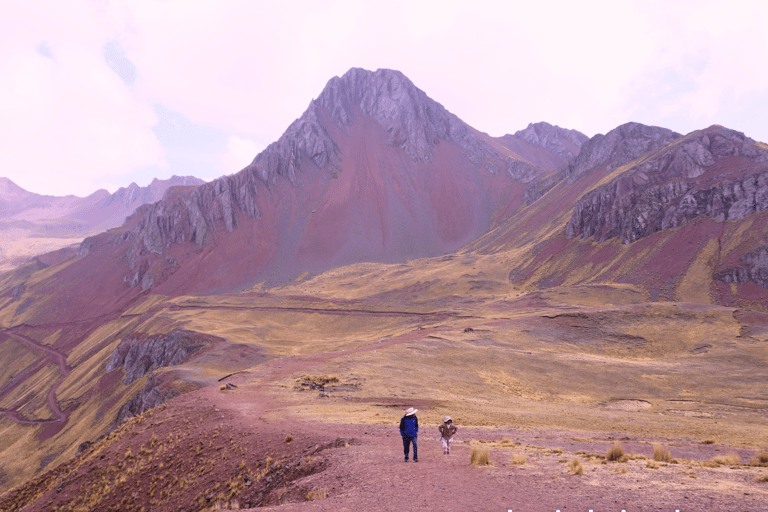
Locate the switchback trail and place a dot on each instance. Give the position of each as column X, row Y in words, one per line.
column 55, row 357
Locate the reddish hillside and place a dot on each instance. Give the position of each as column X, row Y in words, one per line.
column 683, row 217
column 373, row 171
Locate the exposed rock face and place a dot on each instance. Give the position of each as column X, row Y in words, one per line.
column 669, row 189
column 138, row 356
column 151, row 193
column 564, row 143
column 617, row 147
column 155, row 392
column 411, row 120
column 187, row 217
column 755, row 269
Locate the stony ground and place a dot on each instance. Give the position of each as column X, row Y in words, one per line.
column 216, row 449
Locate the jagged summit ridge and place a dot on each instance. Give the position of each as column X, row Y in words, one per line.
column 618, row 147
column 671, row 188
column 561, row 141
column 413, row 121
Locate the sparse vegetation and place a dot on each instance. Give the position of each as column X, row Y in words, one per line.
column 518, row 459
column 730, row 459
column 761, row 459
column 288, row 438
column 479, row 455
column 661, row 454
column 616, row 453
column 762, row 478
column 575, row 467
column 319, row 494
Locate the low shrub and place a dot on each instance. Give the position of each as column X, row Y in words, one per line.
column 479, row 456
column 761, row 459
column 661, row 454
column 518, row 459
column 575, row 467
column 729, row 459
column 616, row 453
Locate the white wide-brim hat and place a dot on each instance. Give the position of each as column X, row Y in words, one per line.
column 447, row 419
column 411, row 411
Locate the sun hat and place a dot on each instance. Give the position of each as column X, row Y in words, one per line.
column 411, row 411
column 447, row 419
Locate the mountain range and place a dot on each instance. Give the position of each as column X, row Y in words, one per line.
column 32, row 224
column 381, row 194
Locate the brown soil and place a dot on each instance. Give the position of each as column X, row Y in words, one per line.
column 210, row 449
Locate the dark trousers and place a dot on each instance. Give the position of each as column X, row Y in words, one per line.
column 407, row 440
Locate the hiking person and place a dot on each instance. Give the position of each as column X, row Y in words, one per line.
column 447, row 430
column 409, row 431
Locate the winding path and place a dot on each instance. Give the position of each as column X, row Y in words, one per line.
column 55, row 357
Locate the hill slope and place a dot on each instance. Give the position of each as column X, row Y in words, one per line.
column 533, row 267
column 32, row 224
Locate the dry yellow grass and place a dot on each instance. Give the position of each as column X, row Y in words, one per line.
column 318, row 494
column 761, row 459
column 518, row 459
column 616, row 453
column 730, row 459
column 575, row 467
column 661, row 454
column 479, row 455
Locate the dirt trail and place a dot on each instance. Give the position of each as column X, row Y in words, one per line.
column 55, row 357
column 370, row 473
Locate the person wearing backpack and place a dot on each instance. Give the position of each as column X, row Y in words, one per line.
column 409, row 431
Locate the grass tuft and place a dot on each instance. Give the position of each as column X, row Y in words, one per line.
column 479, row 456
column 729, row 459
column 319, row 494
column 616, row 453
column 761, row 459
column 661, row 454
column 518, row 459
column 575, row 467
column 288, row 438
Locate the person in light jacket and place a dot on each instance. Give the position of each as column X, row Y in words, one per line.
column 447, row 430
column 409, row 431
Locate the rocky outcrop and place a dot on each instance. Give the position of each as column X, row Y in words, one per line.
column 618, row 147
column 755, row 269
column 668, row 189
column 563, row 142
column 151, row 193
column 189, row 216
column 138, row 356
column 157, row 390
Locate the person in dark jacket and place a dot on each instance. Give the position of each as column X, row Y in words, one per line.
column 409, row 431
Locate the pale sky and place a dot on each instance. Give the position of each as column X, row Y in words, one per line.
column 98, row 94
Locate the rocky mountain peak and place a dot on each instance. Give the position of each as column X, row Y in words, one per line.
column 413, row 121
column 690, row 178
column 563, row 142
column 618, row 147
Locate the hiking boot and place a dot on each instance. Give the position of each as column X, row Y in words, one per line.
column 415, row 459
column 406, row 459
